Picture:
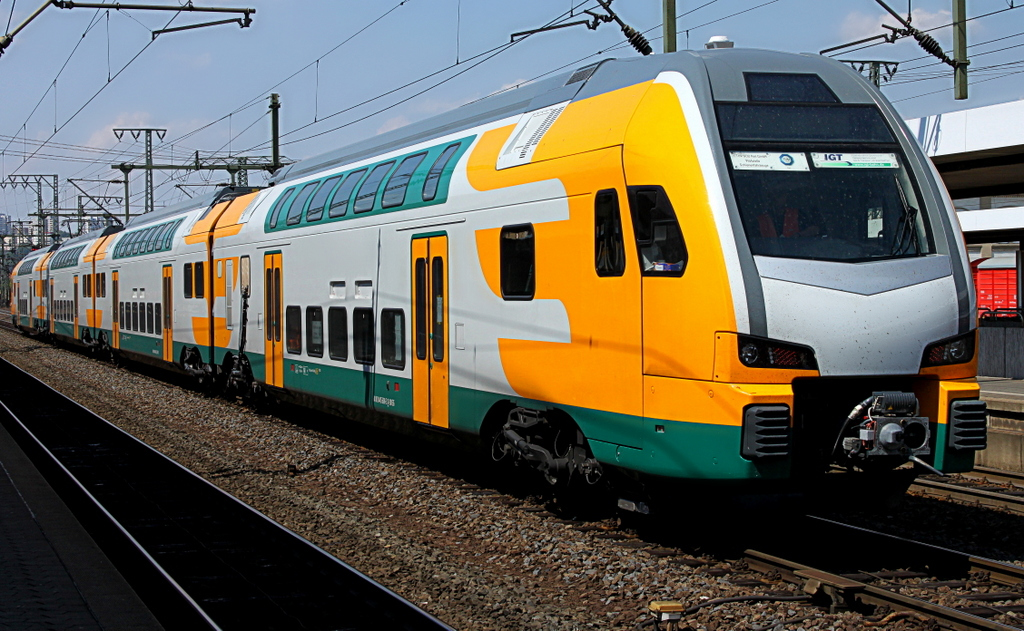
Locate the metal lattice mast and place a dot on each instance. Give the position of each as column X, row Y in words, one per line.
column 136, row 133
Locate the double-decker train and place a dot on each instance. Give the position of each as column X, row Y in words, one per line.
column 727, row 265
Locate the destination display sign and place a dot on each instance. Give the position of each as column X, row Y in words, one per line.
column 768, row 161
column 855, row 161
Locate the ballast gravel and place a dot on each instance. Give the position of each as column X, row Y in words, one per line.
column 475, row 557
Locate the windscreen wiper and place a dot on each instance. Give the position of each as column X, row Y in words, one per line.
column 907, row 227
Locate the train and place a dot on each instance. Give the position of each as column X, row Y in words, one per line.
column 734, row 267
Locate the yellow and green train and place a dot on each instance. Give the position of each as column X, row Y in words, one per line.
column 726, row 265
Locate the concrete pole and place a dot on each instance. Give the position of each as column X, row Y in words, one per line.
column 669, row 19
column 960, row 49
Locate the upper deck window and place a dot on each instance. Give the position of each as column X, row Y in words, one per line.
column 296, row 207
column 367, row 194
column 276, row 210
column 339, row 203
column 316, row 205
column 394, row 191
column 434, row 175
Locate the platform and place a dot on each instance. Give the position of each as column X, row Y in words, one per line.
column 52, row 574
column 1005, row 399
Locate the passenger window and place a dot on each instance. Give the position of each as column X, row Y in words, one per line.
column 362, row 335
column 103, row 285
column 517, row 262
column 434, row 175
column 437, row 291
column 367, row 194
column 609, row 252
column 316, row 207
column 295, row 209
column 659, row 241
column 394, row 190
column 339, row 203
column 120, row 313
column 168, row 238
column 293, row 329
column 337, row 328
column 243, row 275
column 276, row 210
column 149, row 317
column 135, row 316
column 157, row 323
column 186, row 274
column 392, row 338
column 200, row 282
column 315, row 331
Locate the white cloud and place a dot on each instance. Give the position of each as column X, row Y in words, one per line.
column 393, row 123
column 104, row 137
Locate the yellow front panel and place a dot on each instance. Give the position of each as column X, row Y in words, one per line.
column 708, row 402
column 681, row 315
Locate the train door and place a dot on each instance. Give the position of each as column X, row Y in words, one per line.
column 116, row 308
column 76, row 307
column 167, row 317
column 274, row 319
column 429, row 321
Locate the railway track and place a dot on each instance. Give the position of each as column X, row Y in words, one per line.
column 984, row 487
column 839, row 567
column 198, row 557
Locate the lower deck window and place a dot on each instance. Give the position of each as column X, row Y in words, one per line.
column 392, row 338
column 293, row 329
column 337, row 330
column 315, row 331
column 362, row 335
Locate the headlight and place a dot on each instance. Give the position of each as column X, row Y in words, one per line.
column 759, row 352
column 953, row 350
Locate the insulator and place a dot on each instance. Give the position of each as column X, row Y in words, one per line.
column 928, row 43
column 637, row 40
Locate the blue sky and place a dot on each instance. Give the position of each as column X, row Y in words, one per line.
column 189, row 82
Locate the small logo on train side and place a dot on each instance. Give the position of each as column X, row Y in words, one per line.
column 786, row 159
column 833, row 157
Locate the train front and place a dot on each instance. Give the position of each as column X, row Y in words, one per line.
column 856, row 279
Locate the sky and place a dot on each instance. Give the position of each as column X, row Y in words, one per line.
column 349, row 69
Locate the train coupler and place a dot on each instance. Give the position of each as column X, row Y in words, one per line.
column 884, row 430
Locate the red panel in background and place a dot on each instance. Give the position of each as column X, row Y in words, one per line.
column 997, row 288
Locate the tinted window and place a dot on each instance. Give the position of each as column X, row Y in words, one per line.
column 434, row 175
column 295, row 209
column 186, row 275
column 135, row 316
column 517, row 262
column 394, row 191
column 609, row 252
column 367, row 194
column 157, row 323
column 339, row 203
column 316, row 206
column 794, row 88
column 149, row 317
column 276, row 210
column 392, row 338
column 200, row 282
column 804, row 123
column 120, row 313
column 315, row 331
column 362, row 335
column 337, row 327
column 437, row 304
column 293, row 329
column 170, row 233
column 658, row 239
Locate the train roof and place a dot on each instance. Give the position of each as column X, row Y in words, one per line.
column 188, row 205
column 723, row 68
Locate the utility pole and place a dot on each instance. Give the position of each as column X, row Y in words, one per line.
column 960, row 49
column 36, row 182
column 238, row 167
column 136, row 132
column 669, row 19
column 275, row 131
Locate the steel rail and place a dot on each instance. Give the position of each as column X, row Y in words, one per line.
column 981, row 497
column 845, row 592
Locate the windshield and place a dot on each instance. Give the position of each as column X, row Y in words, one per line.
column 822, row 198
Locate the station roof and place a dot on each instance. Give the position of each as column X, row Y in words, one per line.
column 979, row 152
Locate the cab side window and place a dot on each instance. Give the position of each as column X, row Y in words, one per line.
column 659, row 241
